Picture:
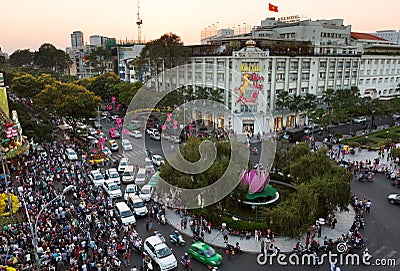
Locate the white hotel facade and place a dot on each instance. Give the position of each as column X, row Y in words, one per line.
column 250, row 78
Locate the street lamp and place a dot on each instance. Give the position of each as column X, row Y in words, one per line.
column 35, row 237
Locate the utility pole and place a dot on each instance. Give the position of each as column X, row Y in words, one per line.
column 6, row 179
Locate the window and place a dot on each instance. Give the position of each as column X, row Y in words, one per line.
column 293, row 77
column 361, row 81
column 321, row 75
column 198, row 75
column 209, row 76
column 190, row 75
column 292, row 90
column 221, row 77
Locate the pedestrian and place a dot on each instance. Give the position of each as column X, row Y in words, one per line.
column 262, row 246
column 334, row 221
column 338, row 268
column 225, row 233
column 147, row 225
column 368, row 206
column 332, row 266
column 256, row 235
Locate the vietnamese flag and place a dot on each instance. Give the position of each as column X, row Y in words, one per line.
column 273, row 8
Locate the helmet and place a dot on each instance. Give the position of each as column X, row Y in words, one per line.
column 186, row 254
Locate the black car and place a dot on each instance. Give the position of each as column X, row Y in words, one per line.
column 394, row 198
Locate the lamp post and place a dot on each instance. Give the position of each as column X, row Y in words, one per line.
column 35, row 237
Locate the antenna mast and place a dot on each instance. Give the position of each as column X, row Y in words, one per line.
column 139, row 23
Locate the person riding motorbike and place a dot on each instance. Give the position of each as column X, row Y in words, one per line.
column 175, row 235
column 185, row 258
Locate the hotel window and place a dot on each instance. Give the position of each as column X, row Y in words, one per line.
column 361, row 81
column 321, row 75
column 386, row 80
column 380, row 80
column 189, row 75
column 280, row 77
column 281, row 65
column 303, row 90
column 221, row 64
column 221, row 77
column 306, row 65
column 198, row 75
column 331, row 75
column 292, row 90
column 181, row 74
column 305, row 76
column 293, row 77
column 367, row 81
column 347, row 75
column 339, row 75
column 354, row 74
column 392, row 72
column 322, row 65
column 209, row 76
column 374, row 81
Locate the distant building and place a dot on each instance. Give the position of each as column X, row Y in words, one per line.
column 77, row 39
column 392, row 36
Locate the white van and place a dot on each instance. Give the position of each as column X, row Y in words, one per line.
column 140, row 176
column 126, row 145
column 148, row 164
column 128, row 176
column 160, row 253
column 124, row 213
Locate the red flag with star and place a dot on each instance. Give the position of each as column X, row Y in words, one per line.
column 273, row 8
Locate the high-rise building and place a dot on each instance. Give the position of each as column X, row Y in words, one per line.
column 77, row 39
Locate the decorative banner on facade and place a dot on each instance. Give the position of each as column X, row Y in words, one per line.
column 252, row 81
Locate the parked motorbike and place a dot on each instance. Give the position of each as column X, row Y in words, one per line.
column 177, row 238
column 197, row 238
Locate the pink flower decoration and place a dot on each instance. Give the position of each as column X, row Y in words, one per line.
column 174, row 127
column 190, row 133
column 113, row 99
column 112, row 130
column 190, row 127
column 94, row 151
column 112, row 134
column 168, row 119
column 101, row 140
column 163, row 127
column 109, row 107
column 169, row 114
column 175, row 122
column 118, row 106
column 126, row 131
column 119, row 125
column 118, row 120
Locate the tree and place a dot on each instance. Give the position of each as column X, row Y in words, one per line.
column 309, row 103
column 296, row 104
column 67, row 99
column 98, row 59
column 328, row 96
column 127, row 91
column 51, row 58
column 25, row 85
column 163, row 53
column 104, row 85
column 21, row 58
column 216, row 95
column 282, row 102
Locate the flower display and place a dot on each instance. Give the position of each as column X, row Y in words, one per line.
column 255, row 179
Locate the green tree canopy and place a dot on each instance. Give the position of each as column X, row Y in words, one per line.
column 67, row 99
column 104, row 85
column 21, row 58
column 51, row 58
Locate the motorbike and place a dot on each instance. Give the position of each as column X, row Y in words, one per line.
column 359, row 222
column 197, row 238
column 161, row 219
column 232, row 250
column 177, row 240
column 186, row 264
column 273, row 251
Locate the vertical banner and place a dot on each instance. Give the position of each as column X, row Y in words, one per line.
column 3, row 101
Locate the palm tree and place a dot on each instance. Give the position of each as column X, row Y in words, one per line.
column 216, row 95
column 328, row 96
column 282, row 102
column 309, row 103
column 295, row 104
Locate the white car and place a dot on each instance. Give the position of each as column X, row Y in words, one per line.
column 360, row 120
column 160, row 253
column 71, row 154
column 92, row 131
column 137, row 204
column 81, row 125
column 136, row 134
column 157, row 160
column 126, row 145
column 96, row 177
column 131, row 189
column 106, row 150
column 146, row 192
column 175, row 139
column 92, row 140
column 112, row 189
column 152, row 131
column 123, row 164
column 113, row 175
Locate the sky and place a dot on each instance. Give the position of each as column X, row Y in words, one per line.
column 27, row 24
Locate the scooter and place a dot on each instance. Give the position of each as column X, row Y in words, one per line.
column 186, row 264
column 161, row 218
column 179, row 240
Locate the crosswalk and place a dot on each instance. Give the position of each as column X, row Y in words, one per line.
column 380, row 251
column 131, row 154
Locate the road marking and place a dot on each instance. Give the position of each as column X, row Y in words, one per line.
column 390, row 255
column 380, row 250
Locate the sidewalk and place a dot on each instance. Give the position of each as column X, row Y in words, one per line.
column 345, row 219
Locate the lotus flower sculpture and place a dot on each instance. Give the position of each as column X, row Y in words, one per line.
column 256, row 180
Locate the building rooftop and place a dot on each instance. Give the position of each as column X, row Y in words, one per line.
column 365, row 36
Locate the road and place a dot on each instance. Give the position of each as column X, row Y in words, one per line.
column 381, row 224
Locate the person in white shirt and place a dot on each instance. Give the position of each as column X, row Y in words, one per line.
column 338, row 268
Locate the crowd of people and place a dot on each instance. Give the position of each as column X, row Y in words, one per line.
column 76, row 230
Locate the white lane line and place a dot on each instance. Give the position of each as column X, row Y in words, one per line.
column 390, row 255
column 380, row 250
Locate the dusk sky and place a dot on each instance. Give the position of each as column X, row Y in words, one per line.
column 27, row 24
